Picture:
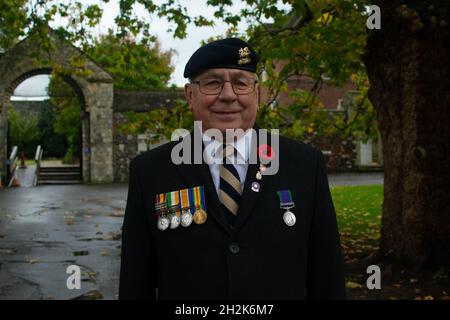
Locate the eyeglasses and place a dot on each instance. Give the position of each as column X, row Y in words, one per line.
column 215, row 86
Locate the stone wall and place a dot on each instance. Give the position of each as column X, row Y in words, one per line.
column 126, row 147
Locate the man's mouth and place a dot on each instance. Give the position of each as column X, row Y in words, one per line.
column 225, row 112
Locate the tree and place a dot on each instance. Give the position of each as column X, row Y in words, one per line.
column 13, row 19
column 408, row 64
column 53, row 144
column 133, row 64
column 67, row 116
column 24, row 131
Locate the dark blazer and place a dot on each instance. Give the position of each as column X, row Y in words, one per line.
column 259, row 258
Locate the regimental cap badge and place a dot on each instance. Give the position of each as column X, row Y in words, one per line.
column 244, row 56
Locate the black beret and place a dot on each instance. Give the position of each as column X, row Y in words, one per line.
column 231, row 53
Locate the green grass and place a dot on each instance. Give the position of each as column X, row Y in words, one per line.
column 358, row 211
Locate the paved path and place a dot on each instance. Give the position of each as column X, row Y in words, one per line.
column 45, row 229
column 352, row 179
column 26, row 175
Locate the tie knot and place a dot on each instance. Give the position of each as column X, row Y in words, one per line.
column 228, row 151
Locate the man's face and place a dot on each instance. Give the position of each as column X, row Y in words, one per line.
column 225, row 110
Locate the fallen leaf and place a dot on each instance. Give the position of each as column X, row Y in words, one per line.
column 117, row 214
column 33, row 261
column 352, row 285
column 103, row 253
column 91, row 295
column 80, row 253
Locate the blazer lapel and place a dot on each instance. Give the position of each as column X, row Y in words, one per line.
column 249, row 196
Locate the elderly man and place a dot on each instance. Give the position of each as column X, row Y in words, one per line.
column 225, row 229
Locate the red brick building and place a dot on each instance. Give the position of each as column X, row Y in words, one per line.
column 340, row 154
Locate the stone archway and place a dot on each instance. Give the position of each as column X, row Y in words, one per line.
column 95, row 91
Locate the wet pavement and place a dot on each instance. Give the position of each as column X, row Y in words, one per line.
column 355, row 178
column 45, row 229
column 26, row 175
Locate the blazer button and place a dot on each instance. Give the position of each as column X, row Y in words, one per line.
column 234, row 248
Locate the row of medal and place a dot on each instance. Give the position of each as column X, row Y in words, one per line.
column 181, row 207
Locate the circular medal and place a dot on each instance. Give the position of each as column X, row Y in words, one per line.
column 186, row 218
column 289, row 218
column 163, row 223
column 174, row 221
column 200, row 216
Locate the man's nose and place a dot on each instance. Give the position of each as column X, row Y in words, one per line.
column 227, row 93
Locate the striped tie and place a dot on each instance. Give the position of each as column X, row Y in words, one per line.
column 230, row 185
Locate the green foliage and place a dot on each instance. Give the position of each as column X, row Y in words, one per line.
column 159, row 122
column 358, row 209
column 12, row 22
column 24, row 131
column 52, row 143
column 133, row 65
column 323, row 39
column 67, row 121
column 442, row 274
column 358, row 213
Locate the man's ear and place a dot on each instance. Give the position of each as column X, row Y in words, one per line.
column 257, row 92
column 188, row 93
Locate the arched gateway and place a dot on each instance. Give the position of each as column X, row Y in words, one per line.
column 94, row 88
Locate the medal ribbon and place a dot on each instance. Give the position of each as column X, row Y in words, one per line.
column 197, row 198
column 285, row 198
column 169, row 199
column 160, row 204
column 175, row 201
column 184, row 198
column 192, row 200
column 202, row 195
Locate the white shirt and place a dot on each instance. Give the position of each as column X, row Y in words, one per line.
column 242, row 145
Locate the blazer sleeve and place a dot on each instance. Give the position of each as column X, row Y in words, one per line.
column 136, row 271
column 325, row 277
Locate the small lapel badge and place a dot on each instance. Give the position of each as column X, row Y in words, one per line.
column 244, row 55
column 259, row 173
column 255, row 186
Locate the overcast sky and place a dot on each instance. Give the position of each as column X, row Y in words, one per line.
column 35, row 87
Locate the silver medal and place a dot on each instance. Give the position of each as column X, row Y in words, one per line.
column 289, row 218
column 186, row 218
column 174, row 221
column 163, row 223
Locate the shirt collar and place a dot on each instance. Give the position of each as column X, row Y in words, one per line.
column 242, row 145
